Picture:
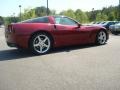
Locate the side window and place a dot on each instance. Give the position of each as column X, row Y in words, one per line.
column 41, row 20
column 67, row 21
column 38, row 20
column 57, row 20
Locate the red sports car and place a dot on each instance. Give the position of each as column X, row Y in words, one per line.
column 42, row 33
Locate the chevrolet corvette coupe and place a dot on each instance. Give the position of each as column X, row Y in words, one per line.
column 43, row 33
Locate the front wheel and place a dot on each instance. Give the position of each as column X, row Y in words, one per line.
column 101, row 37
column 40, row 43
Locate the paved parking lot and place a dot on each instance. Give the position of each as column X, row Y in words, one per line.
column 74, row 68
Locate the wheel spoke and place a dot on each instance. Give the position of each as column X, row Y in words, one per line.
column 39, row 39
column 45, row 39
column 45, row 45
column 40, row 48
column 102, row 33
column 36, row 45
column 100, row 37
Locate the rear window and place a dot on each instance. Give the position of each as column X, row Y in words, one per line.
column 37, row 20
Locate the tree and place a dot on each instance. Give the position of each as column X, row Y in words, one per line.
column 1, row 20
column 81, row 16
column 41, row 11
column 110, row 13
column 9, row 20
column 101, row 17
column 98, row 17
column 28, row 14
column 104, row 17
column 69, row 13
column 111, row 16
column 52, row 12
column 92, row 15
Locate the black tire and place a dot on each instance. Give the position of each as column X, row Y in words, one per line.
column 33, row 40
column 20, row 48
column 104, row 37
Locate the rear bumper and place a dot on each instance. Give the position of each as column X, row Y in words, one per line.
column 11, row 44
column 14, row 40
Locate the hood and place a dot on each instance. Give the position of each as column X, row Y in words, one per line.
column 92, row 27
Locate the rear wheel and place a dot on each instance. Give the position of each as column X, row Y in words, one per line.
column 40, row 43
column 101, row 37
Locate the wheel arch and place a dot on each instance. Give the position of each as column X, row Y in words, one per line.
column 41, row 31
column 107, row 34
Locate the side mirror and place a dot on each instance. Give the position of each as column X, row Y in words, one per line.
column 79, row 25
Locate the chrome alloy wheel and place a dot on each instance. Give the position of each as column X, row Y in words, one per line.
column 41, row 44
column 102, row 38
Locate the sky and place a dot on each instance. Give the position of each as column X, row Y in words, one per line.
column 8, row 7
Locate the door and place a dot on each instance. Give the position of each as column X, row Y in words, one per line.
column 68, row 32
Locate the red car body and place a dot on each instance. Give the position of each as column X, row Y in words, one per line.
column 19, row 34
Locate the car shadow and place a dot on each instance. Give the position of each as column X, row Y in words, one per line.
column 15, row 54
column 71, row 48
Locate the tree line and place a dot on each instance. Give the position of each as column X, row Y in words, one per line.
column 106, row 14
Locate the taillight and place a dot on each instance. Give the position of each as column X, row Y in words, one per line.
column 11, row 29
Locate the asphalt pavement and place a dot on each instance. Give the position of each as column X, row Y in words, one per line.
column 86, row 67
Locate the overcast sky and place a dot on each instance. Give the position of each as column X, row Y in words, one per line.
column 8, row 7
